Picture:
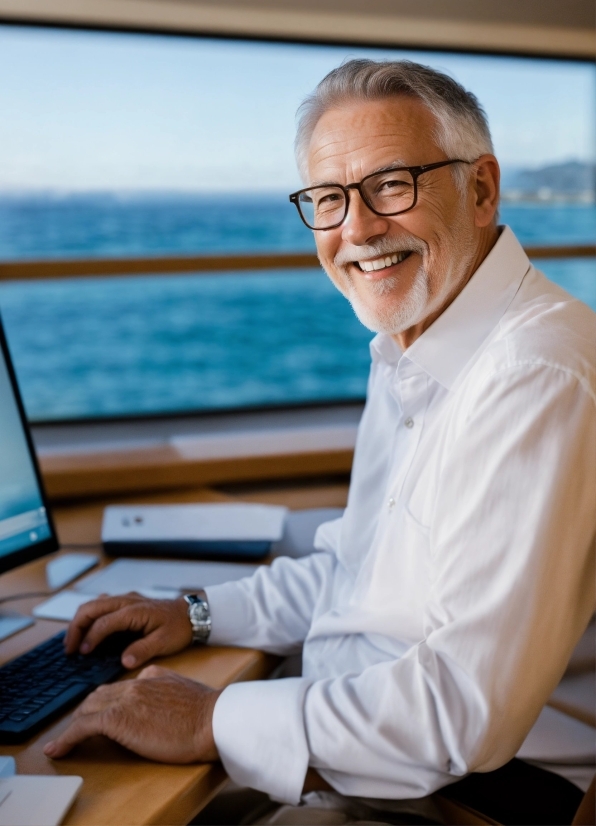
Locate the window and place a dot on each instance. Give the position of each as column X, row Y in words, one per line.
column 129, row 145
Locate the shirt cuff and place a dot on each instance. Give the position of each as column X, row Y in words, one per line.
column 259, row 732
column 231, row 613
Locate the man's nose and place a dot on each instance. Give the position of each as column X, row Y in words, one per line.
column 361, row 224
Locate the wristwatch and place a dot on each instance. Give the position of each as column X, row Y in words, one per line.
column 199, row 616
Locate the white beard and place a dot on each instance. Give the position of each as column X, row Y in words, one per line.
column 453, row 264
column 393, row 320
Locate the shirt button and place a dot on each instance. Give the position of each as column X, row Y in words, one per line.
column 391, row 504
column 409, row 422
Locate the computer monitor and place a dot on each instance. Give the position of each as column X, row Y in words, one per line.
column 26, row 528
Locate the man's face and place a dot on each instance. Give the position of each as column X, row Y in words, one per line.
column 437, row 239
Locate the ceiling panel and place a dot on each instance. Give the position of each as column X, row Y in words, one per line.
column 547, row 27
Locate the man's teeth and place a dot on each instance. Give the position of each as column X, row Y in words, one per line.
column 386, row 261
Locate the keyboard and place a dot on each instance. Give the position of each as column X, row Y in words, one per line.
column 41, row 684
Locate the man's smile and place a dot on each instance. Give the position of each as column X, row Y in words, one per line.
column 383, row 263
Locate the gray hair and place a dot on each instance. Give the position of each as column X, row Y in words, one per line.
column 462, row 128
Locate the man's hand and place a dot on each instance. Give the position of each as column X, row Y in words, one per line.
column 163, row 623
column 160, row 715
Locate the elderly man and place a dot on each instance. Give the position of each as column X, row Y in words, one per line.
column 438, row 614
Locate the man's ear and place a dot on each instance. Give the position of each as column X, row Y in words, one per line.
column 486, row 188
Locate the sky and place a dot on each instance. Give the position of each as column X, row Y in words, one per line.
column 94, row 111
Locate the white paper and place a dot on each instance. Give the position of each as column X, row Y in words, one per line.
column 36, row 800
column 202, row 523
column 62, row 606
column 125, row 575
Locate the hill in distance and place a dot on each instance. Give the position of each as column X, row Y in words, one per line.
column 571, row 181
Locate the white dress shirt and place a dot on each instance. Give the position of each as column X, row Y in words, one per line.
column 440, row 611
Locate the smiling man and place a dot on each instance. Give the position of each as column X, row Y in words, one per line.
column 439, row 613
column 399, row 273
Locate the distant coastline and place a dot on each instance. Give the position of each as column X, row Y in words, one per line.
column 572, row 182
column 547, row 196
column 568, row 182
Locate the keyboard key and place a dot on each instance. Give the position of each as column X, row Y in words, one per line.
column 44, row 682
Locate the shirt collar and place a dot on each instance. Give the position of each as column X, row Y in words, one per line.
column 384, row 348
column 450, row 342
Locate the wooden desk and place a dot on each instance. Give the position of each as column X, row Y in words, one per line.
column 119, row 787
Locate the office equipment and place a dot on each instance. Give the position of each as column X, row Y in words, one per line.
column 26, row 528
column 7, row 767
column 120, row 787
column 61, row 571
column 36, row 800
column 62, row 606
column 125, row 575
column 167, row 580
column 152, row 579
column 11, row 622
column 42, row 683
column 217, row 531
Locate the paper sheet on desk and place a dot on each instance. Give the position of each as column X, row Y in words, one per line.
column 125, row 575
column 64, row 606
column 156, row 580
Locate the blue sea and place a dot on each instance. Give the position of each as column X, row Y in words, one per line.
column 156, row 344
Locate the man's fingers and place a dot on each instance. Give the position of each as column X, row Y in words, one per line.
column 100, row 699
column 142, row 650
column 163, row 623
column 86, row 615
column 167, row 718
column 80, row 729
column 122, row 619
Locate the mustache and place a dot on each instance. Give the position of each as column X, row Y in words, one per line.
column 384, row 246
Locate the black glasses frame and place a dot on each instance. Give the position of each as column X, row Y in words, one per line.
column 415, row 172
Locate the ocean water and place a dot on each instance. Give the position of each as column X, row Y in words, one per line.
column 156, row 344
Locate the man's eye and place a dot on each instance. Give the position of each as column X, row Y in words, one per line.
column 329, row 202
column 393, row 184
column 329, row 197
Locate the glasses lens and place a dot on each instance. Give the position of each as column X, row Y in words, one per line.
column 323, row 206
column 390, row 192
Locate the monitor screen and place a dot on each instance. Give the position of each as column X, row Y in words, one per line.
column 26, row 530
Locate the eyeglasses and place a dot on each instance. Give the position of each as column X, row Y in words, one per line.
column 385, row 193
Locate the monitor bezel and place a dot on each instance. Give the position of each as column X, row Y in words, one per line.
column 14, row 559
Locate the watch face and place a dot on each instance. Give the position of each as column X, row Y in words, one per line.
column 199, row 616
column 199, row 611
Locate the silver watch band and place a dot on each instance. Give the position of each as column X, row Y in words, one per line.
column 199, row 616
